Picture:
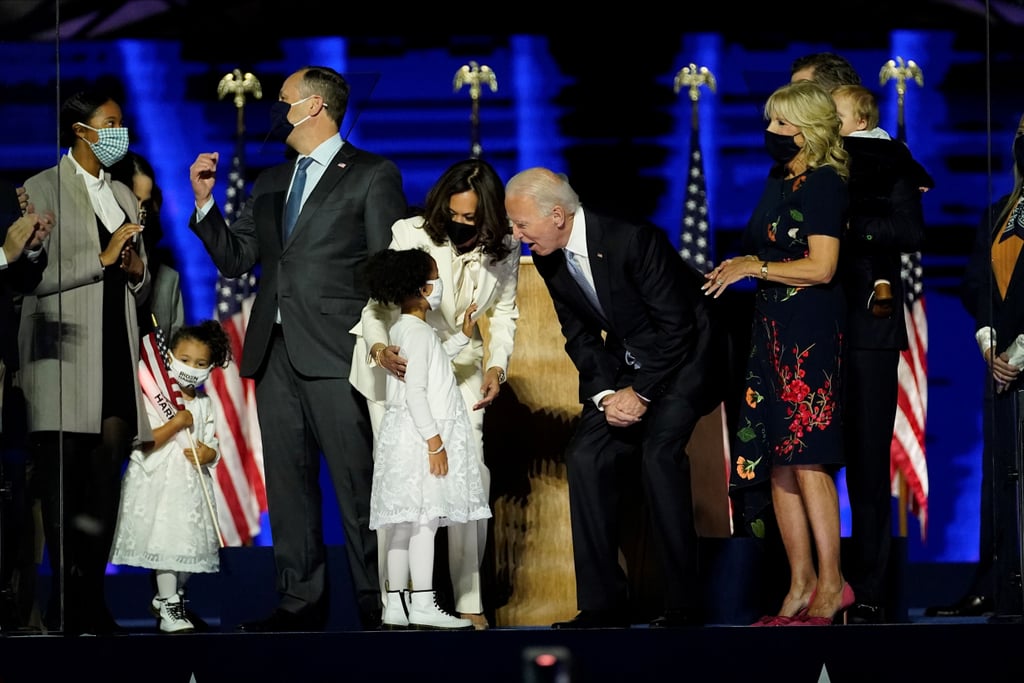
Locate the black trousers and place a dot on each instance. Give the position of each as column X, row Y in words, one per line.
column 300, row 417
column 77, row 478
column 999, row 554
column 597, row 458
column 869, row 412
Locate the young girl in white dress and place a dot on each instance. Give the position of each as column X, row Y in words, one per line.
column 426, row 473
column 165, row 521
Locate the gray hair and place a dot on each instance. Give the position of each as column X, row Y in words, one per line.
column 547, row 189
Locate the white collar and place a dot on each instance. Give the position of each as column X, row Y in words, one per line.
column 577, row 243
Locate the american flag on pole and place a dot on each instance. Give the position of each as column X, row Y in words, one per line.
column 694, row 234
column 239, row 481
column 907, row 463
column 695, row 249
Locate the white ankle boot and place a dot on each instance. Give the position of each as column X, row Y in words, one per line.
column 172, row 616
column 424, row 614
column 154, row 606
column 396, row 615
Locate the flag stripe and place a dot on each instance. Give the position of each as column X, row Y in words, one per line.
column 908, row 462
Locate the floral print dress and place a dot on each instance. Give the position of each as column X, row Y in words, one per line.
column 790, row 413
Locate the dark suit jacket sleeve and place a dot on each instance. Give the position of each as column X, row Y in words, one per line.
column 667, row 339
column 896, row 222
column 234, row 249
column 385, row 204
column 653, row 314
column 583, row 343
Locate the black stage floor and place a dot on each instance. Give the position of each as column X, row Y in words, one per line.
column 916, row 649
column 920, row 651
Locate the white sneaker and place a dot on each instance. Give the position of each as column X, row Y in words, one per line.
column 172, row 616
column 424, row 614
column 396, row 616
column 154, row 605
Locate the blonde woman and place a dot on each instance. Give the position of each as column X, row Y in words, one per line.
column 789, row 435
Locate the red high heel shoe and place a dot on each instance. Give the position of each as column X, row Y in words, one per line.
column 773, row 620
column 846, row 603
column 802, row 612
column 779, row 620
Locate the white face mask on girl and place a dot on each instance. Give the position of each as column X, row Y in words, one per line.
column 434, row 298
column 186, row 375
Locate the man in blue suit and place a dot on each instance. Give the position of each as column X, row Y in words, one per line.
column 310, row 223
column 639, row 332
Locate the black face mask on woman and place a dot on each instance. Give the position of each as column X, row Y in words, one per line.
column 781, row 148
column 459, row 233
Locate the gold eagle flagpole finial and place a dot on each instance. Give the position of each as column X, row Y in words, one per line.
column 902, row 72
column 693, row 78
column 239, row 85
column 475, row 75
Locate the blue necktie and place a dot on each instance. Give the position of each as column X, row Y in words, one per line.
column 581, row 280
column 294, row 204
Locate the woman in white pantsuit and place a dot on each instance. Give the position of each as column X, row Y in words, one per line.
column 464, row 227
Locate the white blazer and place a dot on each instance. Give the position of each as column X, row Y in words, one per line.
column 495, row 299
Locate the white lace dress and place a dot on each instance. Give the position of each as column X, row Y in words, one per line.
column 164, row 521
column 428, row 402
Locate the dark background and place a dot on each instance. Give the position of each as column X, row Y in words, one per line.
column 586, row 91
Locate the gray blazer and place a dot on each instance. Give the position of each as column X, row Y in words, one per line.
column 60, row 341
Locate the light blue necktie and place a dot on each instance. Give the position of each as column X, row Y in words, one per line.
column 577, row 274
column 294, row 204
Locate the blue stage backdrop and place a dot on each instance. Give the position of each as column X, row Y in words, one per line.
column 610, row 119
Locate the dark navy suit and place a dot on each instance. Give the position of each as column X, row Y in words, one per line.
column 655, row 312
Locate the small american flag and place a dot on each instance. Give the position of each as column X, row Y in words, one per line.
column 239, row 480
column 694, row 235
column 160, row 389
column 907, row 463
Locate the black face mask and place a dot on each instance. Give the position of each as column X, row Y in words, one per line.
column 460, row 233
column 781, row 148
column 1018, row 152
column 280, row 127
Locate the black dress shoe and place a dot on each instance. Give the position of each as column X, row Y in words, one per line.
column 863, row 613
column 967, row 606
column 595, row 619
column 283, row 621
column 677, row 618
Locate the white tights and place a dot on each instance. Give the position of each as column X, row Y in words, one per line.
column 411, row 555
column 168, row 582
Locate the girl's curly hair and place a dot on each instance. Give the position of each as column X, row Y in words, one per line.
column 393, row 276
column 211, row 333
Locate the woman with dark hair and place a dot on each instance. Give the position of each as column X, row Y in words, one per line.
column 464, row 227
column 79, row 349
